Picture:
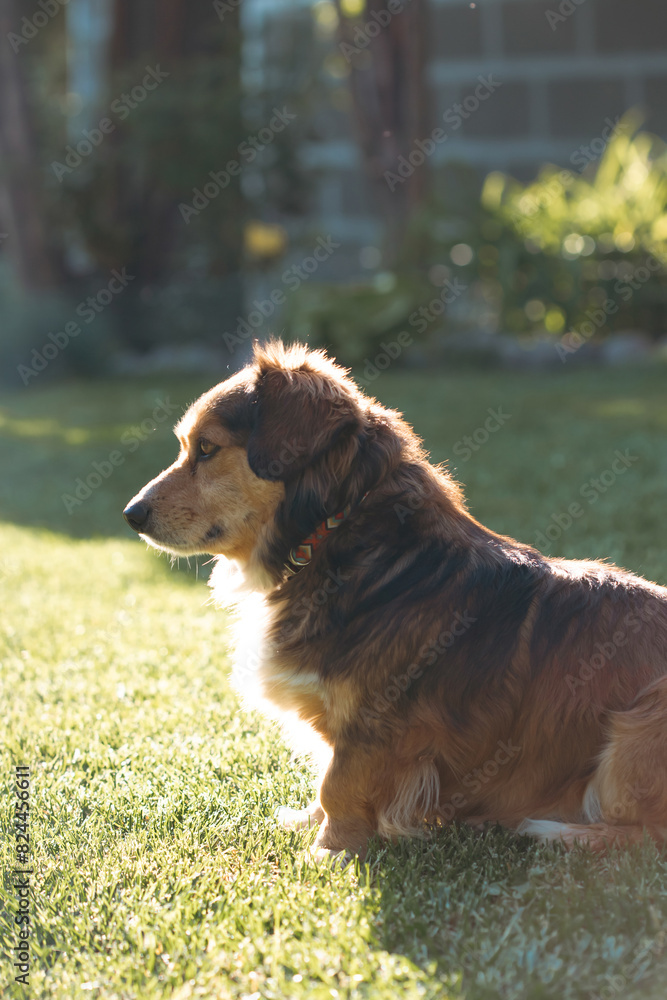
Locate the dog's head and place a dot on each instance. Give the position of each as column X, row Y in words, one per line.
column 267, row 453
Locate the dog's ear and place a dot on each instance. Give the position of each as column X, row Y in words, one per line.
column 301, row 414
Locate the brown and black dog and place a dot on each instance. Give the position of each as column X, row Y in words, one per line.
column 447, row 671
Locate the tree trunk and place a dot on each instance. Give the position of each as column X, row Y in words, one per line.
column 186, row 41
column 390, row 101
column 20, row 175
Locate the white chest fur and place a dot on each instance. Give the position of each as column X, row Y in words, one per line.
column 265, row 680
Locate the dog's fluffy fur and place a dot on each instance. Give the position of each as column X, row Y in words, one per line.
column 447, row 671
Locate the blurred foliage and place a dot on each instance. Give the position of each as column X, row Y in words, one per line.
column 123, row 205
column 128, row 203
column 533, row 259
column 355, row 320
column 570, row 242
column 118, row 204
column 186, row 128
column 547, row 254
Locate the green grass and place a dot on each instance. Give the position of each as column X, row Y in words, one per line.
column 158, row 868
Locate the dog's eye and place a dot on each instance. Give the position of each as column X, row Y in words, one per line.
column 205, row 448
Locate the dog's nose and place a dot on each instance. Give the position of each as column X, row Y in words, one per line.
column 136, row 515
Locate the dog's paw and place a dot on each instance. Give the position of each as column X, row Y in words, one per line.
column 323, row 857
column 296, row 819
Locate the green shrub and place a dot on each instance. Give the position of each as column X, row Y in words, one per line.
column 550, row 252
column 354, row 320
column 534, row 259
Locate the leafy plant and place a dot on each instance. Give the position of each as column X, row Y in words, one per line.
column 544, row 258
column 569, row 243
column 355, row 319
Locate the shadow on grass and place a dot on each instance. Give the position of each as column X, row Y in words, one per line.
column 495, row 914
column 434, row 897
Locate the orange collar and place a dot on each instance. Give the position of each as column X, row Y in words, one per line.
column 301, row 554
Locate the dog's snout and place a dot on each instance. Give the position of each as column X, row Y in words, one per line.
column 136, row 515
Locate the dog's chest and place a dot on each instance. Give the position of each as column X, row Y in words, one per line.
column 264, row 672
column 292, row 688
column 278, row 680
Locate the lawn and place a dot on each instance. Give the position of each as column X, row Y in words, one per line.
column 158, row 869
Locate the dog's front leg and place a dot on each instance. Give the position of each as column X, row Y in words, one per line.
column 346, row 796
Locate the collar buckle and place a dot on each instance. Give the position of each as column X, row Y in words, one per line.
column 301, row 555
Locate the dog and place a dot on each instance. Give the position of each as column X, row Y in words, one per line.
column 440, row 671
